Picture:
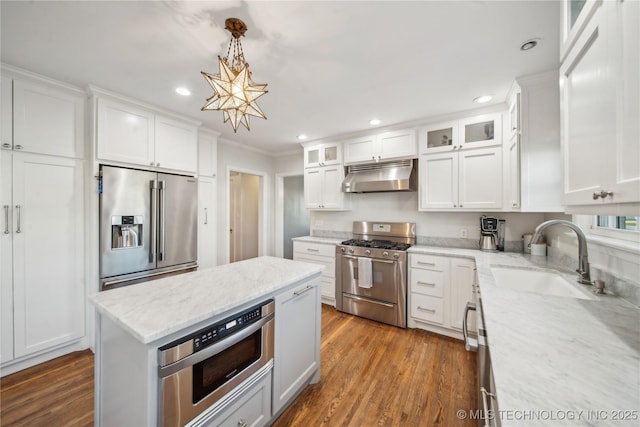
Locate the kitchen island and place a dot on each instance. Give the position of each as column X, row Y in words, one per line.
column 556, row 359
column 133, row 322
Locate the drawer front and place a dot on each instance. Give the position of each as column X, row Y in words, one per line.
column 429, row 262
column 330, row 264
column 427, row 282
column 314, row 249
column 427, row 308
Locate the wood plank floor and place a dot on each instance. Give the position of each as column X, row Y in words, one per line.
column 372, row 375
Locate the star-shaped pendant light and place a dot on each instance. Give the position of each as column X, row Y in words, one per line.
column 234, row 93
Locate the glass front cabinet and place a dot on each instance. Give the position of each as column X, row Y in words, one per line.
column 322, row 155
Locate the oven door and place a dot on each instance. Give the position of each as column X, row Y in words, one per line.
column 193, row 384
column 385, row 279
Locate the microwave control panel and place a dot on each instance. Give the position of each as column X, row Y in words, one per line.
column 220, row 330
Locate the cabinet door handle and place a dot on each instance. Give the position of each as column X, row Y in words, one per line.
column 6, row 145
column 18, row 229
column 18, row 147
column 596, row 196
column 206, row 216
column 604, row 194
column 6, row 219
column 300, row 292
column 428, row 310
column 242, row 423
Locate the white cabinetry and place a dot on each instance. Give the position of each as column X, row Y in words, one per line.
column 324, row 254
column 533, row 161
column 600, row 96
column 461, row 165
column 42, row 268
column 207, row 196
column 297, row 342
column 322, row 155
column 135, row 134
column 439, row 289
column 400, row 144
column 38, row 117
column 323, row 188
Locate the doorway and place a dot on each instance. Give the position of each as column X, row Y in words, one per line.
column 292, row 218
column 245, row 205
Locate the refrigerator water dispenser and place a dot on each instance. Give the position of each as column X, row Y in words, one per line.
column 126, row 231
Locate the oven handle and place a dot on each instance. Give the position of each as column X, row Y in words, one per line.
column 469, row 344
column 485, row 405
column 384, row 261
column 369, row 300
column 214, row 349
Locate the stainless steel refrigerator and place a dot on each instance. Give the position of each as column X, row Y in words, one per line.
column 148, row 225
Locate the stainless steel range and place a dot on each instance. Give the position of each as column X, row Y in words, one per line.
column 371, row 271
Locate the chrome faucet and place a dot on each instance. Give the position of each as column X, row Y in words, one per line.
column 583, row 257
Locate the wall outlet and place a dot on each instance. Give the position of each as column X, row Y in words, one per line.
column 463, row 233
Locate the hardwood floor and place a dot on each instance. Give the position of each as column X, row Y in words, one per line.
column 372, row 374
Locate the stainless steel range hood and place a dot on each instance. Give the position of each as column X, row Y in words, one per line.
column 381, row 177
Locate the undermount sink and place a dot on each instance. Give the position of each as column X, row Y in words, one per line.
column 539, row 282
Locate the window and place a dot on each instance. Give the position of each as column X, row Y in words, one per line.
column 617, row 222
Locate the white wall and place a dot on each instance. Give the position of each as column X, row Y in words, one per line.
column 403, row 207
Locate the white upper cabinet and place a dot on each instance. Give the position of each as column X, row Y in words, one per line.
column 480, row 131
column 323, row 189
column 400, row 144
column 599, row 88
column 207, row 153
column 125, row 133
column 455, row 174
column 38, row 117
column 176, row 144
column 137, row 135
column 322, row 155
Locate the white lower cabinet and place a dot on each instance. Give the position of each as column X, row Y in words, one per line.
column 42, row 251
column 439, row 289
column 320, row 253
column 296, row 342
column 252, row 408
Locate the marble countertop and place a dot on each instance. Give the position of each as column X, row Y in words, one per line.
column 156, row 309
column 557, row 360
column 324, row 240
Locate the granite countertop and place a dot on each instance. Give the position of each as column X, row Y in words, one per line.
column 156, row 309
column 557, row 360
column 313, row 239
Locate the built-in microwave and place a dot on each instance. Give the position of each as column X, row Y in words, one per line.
column 200, row 368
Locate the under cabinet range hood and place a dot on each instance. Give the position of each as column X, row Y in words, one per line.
column 381, row 177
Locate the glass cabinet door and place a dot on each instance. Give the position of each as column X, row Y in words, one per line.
column 441, row 137
column 330, row 154
column 312, row 157
column 481, row 131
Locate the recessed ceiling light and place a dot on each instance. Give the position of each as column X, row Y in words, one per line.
column 374, row 122
column 302, row 136
column 482, row 99
column 183, row 91
column 529, row 44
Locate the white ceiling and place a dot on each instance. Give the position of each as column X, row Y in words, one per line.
column 330, row 66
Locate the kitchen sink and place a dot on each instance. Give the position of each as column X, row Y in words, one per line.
column 539, row 282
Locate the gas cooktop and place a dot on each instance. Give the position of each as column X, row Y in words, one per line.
column 377, row 244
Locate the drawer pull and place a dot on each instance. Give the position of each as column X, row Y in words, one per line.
column 302, row 291
column 426, row 263
column 425, row 283
column 428, row 310
column 313, row 250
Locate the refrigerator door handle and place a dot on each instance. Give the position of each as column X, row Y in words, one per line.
column 161, row 186
column 153, row 223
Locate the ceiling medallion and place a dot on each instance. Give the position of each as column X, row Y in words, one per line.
column 234, row 93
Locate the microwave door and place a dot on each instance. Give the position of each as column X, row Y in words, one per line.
column 126, row 221
column 177, row 220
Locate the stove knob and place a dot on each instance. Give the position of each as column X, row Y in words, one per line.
column 343, row 249
column 350, row 250
column 385, row 253
column 396, row 255
column 367, row 252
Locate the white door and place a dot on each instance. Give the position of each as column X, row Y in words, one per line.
column 463, row 276
column 332, row 194
column 6, row 258
column 480, row 178
column 206, row 223
column 392, row 145
column 176, row 145
column 48, row 251
column 244, row 214
column 313, row 188
column 438, row 181
column 360, row 150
